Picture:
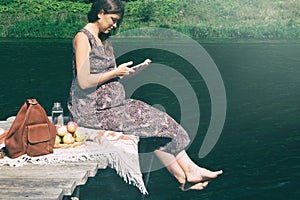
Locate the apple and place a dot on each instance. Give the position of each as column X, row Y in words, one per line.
column 57, row 139
column 62, row 131
column 68, row 139
column 72, row 126
column 80, row 135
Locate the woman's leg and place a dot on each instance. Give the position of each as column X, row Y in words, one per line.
column 169, row 161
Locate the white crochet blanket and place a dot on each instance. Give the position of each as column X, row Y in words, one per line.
column 120, row 151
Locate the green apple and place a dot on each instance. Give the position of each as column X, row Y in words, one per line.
column 68, row 139
column 57, row 139
column 80, row 135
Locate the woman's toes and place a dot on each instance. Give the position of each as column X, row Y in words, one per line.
column 193, row 186
column 198, row 186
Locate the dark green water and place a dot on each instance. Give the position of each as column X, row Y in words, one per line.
column 259, row 145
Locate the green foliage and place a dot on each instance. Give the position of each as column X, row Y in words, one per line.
column 140, row 10
column 154, row 10
column 5, row 2
column 25, row 7
column 196, row 18
column 169, row 8
column 80, row 1
column 42, row 18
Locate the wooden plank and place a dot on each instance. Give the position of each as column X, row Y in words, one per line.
column 91, row 168
column 32, row 194
column 67, row 185
column 103, row 164
column 79, row 176
column 65, row 176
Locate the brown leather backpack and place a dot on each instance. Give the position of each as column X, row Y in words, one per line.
column 31, row 133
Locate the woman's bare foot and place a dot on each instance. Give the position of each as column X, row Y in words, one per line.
column 197, row 174
column 193, row 186
column 193, row 172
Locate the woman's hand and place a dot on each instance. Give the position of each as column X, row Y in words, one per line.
column 123, row 69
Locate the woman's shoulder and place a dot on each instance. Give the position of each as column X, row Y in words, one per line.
column 81, row 41
column 80, row 37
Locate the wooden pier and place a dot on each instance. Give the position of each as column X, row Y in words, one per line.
column 55, row 182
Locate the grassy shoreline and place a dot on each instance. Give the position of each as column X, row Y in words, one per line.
column 210, row 19
column 199, row 40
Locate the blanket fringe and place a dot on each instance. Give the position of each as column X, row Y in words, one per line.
column 129, row 177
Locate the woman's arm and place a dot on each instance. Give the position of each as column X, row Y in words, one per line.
column 85, row 78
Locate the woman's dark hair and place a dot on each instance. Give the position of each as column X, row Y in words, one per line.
column 108, row 6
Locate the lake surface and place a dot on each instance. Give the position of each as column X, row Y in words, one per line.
column 259, row 145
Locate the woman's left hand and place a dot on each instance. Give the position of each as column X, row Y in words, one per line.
column 124, row 69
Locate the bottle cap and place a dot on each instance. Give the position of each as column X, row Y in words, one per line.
column 57, row 104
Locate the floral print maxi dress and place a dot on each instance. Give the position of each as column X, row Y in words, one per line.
column 105, row 106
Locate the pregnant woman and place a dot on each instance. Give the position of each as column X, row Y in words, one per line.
column 97, row 98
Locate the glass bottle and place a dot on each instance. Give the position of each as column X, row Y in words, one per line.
column 57, row 114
